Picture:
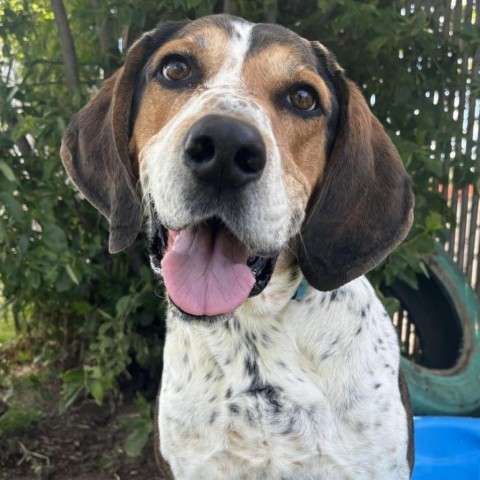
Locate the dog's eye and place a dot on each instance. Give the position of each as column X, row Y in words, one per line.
column 303, row 99
column 176, row 69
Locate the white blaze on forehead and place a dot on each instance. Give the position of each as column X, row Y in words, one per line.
column 238, row 45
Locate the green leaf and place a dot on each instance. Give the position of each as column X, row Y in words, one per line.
column 434, row 221
column 97, row 389
column 73, row 385
column 136, row 441
column 73, row 274
column 7, row 171
column 391, row 305
column 54, row 237
column 421, row 244
column 14, row 207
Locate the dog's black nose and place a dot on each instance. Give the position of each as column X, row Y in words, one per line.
column 224, row 151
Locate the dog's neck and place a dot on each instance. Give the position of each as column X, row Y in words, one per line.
column 279, row 368
column 243, row 345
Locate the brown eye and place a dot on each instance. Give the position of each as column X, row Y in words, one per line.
column 176, row 70
column 303, row 99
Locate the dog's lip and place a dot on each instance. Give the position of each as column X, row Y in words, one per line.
column 188, row 317
column 261, row 266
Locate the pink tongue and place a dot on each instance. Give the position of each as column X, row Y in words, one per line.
column 205, row 272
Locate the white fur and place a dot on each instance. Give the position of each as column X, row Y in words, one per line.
column 345, row 426
column 231, row 72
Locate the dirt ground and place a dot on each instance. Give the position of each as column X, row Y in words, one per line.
column 84, row 443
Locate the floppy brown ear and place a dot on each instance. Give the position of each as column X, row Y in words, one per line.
column 364, row 208
column 94, row 149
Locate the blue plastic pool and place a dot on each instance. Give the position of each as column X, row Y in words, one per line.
column 447, row 448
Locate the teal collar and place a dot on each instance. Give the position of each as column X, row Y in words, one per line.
column 301, row 291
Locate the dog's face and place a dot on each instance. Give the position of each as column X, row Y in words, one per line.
column 246, row 139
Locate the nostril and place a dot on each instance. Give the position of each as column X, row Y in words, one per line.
column 249, row 160
column 200, row 149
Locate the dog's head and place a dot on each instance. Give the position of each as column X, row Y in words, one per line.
column 246, row 140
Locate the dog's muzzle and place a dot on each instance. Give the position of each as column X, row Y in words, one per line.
column 206, row 269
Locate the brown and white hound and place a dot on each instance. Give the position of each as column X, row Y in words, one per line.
column 270, row 189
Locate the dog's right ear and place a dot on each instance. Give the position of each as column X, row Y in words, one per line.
column 95, row 147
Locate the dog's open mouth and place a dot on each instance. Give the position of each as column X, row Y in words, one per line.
column 207, row 271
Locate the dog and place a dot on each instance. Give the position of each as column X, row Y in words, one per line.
column 270, row 189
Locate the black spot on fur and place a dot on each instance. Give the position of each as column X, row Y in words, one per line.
column 385, row 407
column 266, row 340
column 229, row 393
column 325, row 355
column 251, row 366
column 377, row 385
column 290, row 426
column 234, row 408
column 360, row 427
column 213, row 416
column 271, row 396
column 249, row 416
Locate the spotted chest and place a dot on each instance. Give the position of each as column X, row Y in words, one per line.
column 310, row 392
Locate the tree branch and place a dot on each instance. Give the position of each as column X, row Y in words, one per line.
column 227, row 6
column 270, row 10
column 105, row 37
column 68, row 47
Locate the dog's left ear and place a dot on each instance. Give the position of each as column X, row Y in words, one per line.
column 364, row 207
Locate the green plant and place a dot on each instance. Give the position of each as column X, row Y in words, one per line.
column 141, row 426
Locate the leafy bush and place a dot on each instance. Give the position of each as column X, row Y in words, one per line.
column 95, row 313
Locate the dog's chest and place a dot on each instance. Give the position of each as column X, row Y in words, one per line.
column 253, row 435
column 297, row 397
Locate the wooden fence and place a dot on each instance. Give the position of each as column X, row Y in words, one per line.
column 464, row 107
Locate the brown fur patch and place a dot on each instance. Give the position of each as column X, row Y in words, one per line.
column 302, row 143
